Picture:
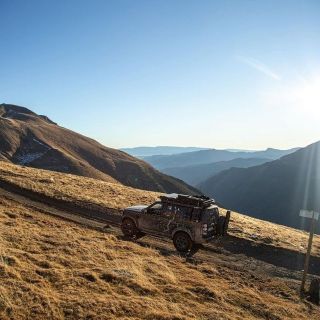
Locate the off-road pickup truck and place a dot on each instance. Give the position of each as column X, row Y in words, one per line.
column 187, row 220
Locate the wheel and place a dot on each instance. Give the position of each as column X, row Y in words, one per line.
column 129, row 229
column 182, row 242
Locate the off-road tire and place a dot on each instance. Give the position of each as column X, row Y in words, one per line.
column 129, row 229
column 182, row 242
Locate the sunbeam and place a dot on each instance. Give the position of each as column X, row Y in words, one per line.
column 307, row 184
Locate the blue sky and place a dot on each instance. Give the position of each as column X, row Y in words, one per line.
column 224, row 74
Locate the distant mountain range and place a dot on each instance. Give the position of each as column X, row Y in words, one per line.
column 273, row 191
column 29, row 139
column 160, row 150
column 210, row 156
column 196, row 174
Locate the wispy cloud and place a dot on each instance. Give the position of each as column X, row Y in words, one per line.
column 259, row 66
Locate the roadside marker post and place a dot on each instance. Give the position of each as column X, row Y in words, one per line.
column 314, row 216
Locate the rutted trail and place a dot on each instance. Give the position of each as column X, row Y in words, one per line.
column 43, row 208
column 60, row 207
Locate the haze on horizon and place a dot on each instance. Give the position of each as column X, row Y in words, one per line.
column 221, row 74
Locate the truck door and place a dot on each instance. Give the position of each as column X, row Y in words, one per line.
column 168, row 221
column 149, row 220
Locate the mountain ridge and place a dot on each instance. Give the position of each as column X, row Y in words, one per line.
column 144, row 151
column 210, row 156
column 196, row 174
column 33, row 140
column 274, row 191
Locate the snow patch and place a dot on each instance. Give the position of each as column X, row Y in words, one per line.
column 27, row 158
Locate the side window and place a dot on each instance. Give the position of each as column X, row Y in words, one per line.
column 168, row 210
column 184, row 212
column 170, row 207
column 155, row 208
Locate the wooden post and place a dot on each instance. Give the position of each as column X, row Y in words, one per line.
column 307, row 259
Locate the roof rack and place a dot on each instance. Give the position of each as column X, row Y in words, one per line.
column 195, row 200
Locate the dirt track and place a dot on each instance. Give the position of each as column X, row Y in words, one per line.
column 58, row 207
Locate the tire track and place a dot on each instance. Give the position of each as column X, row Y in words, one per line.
column 62, row 207
column 43, row 208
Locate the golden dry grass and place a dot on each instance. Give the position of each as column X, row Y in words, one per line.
column 52, row 269
column 74, row 188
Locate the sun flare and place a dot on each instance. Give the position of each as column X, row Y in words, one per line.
column 308, row 95
column 301, row 95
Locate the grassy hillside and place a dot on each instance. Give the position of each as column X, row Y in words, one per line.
column 27, row 138
column 54, row 269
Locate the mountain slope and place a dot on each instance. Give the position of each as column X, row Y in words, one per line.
column 195, row 174
column 160, row 150
column 51, row 268
column 274, row 191
column 210, row 156
column 33, row 140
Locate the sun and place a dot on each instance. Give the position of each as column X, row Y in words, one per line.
column 300, row 95
column 307, row 95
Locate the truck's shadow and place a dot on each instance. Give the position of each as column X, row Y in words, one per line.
column 277, row 256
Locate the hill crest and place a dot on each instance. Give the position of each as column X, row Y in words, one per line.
column 34, row 140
